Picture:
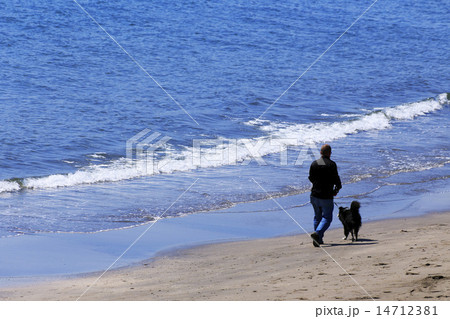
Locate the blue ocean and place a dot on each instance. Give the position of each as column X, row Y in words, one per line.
column 234, row 98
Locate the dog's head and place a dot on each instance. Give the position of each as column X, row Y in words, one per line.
column 355, row 205
column 342, row 211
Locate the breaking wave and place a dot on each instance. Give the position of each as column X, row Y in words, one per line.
column 223, row 151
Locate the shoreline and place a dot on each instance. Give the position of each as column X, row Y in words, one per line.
column 43, row 256
column 396, row 259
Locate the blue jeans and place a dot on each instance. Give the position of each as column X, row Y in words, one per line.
column 323, row 214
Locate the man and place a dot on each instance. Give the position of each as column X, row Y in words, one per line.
column 324, row 176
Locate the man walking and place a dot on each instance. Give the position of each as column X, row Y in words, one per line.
column 324, row 176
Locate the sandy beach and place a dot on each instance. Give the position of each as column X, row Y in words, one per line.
column 397, row 259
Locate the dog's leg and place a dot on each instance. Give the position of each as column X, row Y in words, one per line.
column 356, row 234
column 346, row 232
column 353, row 238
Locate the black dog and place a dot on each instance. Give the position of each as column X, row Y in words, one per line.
column 351, row 219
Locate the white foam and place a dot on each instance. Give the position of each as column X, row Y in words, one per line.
column 221, row 151
column 340, row 115
column 115, row 172
column 412, row 110
column 97, row 155
column 7, row 186
column 310, row 134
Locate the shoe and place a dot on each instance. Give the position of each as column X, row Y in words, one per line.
column 316, row 239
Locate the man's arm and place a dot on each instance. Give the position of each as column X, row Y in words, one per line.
column 311, row 176
column 337, row 181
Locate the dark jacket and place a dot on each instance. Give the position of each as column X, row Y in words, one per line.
column 324, row 176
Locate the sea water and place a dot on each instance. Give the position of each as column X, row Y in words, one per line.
column 241, row 95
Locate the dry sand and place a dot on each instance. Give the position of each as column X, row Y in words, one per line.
column 398, row 259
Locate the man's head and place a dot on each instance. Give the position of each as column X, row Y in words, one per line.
column 325, row 150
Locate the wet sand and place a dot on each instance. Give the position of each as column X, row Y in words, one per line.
column 396, row 259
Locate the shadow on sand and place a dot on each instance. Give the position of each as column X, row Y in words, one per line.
column 360, row 242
